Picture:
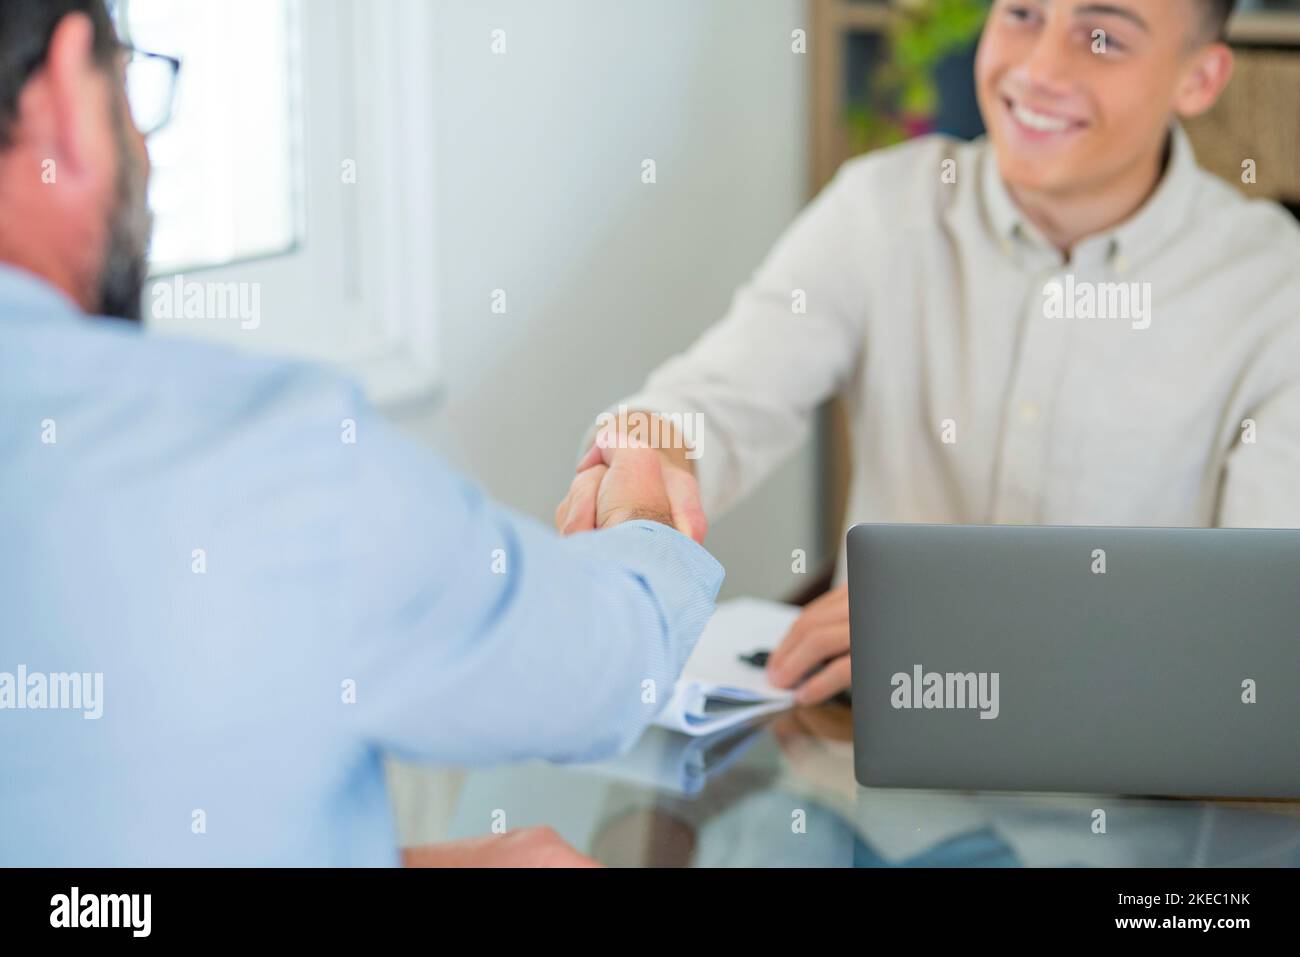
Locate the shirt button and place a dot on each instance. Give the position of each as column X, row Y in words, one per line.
column 1029, row 412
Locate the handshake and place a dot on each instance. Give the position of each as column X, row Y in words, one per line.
column 622, row 479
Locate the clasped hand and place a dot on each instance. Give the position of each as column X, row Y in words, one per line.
column 620, row 482
column 625, row 483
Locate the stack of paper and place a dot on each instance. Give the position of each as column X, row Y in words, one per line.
column 676, row 763
column 717, row 689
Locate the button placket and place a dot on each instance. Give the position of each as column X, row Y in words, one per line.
column 1026, row 418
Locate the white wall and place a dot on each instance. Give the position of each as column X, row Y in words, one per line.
column 539, row 193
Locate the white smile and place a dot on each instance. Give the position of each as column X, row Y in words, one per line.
column 1040, row 122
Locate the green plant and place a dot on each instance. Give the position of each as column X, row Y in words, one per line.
column 902, row 95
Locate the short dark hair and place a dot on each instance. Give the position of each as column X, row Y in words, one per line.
column 1216, row 14
column 26, row 27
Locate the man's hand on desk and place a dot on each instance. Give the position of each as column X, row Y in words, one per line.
column 620, row 482
column 820, row 636
column 527, row 847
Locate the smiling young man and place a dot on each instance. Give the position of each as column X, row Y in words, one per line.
column 1066, row 322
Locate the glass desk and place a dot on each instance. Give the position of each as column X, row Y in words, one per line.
column 782, row 793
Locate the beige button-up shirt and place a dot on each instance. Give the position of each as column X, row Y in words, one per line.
column 1153, row 379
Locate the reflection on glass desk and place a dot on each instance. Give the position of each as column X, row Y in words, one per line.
column 783, row 794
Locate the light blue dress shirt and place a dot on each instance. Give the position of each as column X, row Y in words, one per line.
column 273, row 607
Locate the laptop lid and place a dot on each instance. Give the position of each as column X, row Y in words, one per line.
column 1111, row 660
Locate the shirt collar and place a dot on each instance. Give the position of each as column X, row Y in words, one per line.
column 1159, row 218
column 1004, row 217
column 24, row 295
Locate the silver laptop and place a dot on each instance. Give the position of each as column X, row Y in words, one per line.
column 1105, row 660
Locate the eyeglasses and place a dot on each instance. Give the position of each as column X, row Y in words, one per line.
column 150, row 87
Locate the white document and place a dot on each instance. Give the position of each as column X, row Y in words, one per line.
column 717, row 689
column 678, row 764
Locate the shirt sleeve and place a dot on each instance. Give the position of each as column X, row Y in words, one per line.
column 1261, row 479
column 790, row 340
column 476, row 635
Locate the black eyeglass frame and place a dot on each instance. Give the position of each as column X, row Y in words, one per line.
column 174, row 65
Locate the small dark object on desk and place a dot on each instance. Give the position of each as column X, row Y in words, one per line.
column 759, row 660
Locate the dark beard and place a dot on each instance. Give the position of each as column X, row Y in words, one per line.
column 126, row 261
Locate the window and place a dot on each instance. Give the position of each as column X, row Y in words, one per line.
column 296, row 171
column 226, row 183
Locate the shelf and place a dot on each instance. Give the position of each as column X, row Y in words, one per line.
column 1259, row 27
column 1265, row 28
column 861, row 16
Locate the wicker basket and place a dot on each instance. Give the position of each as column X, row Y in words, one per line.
column 1257, row 119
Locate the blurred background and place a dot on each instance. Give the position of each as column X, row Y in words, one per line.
column 446, row 199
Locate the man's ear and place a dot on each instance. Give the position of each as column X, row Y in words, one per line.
column 1204, row 79
column 69, row 94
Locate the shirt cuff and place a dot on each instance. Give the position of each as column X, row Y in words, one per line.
column 680, row 575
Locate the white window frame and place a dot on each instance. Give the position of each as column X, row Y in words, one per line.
column 359, row 290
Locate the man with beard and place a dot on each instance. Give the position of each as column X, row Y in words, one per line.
column 267, row 608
